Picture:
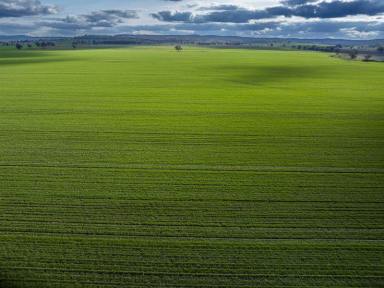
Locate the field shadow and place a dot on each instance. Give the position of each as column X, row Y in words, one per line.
column 10, row 62
column 265, row 74
column 8, row 58
column 22, row 54
column 4, row 283
column 8, row 284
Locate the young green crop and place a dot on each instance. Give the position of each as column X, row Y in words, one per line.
column 145, row 167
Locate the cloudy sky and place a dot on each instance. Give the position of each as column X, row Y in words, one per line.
column 352, row 19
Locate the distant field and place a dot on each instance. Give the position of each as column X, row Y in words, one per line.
column 146, row 167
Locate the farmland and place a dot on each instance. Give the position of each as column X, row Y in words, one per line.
column 147, row 167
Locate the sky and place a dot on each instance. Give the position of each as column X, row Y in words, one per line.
column 348, row 19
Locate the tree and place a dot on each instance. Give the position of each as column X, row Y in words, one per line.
column 353, row 54
column 19, row 46
column 74, row 45
column 178, row 48
column 380, row 49
column 367, row 57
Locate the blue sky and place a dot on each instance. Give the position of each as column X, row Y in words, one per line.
column 352, row 19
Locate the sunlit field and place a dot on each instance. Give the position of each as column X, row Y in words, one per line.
column 148, row 167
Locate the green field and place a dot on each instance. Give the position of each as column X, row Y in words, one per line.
column 145, row 167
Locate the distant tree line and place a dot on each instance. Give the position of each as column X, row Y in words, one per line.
column 366, row 52
column 44, row 44
column 22, row 44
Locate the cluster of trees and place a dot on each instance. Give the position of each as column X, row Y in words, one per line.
column 364, row 52
column 39, row 44
column 44, row 44
column 331, row 49
column 354, row 53
column 77, row 42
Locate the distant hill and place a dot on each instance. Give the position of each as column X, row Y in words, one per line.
column 14, row 37
column 199, row 39
column 193, row 39
column 28, row 38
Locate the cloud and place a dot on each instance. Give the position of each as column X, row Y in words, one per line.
column 340, row 9
column 169, row 16
column 298, row 8
column 323, row 28
column 111, row 16
column 297, row 2
column 20, row 8
column 354, row 33
column 314, row 29
column 96, row 19
column 220, row 8
column 288, row 18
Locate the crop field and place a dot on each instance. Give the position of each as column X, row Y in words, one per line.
column 147, row 167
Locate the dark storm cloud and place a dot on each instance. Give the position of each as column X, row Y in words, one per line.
column 20, row 8
column 300, row 8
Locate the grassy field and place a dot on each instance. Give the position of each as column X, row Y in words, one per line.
column 145, row 167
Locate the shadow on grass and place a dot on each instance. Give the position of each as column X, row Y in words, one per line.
column 8, row 284
column 28, row 57
column 12, row 61
column 260, row 75
column 22, row 54
column 4, row 283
